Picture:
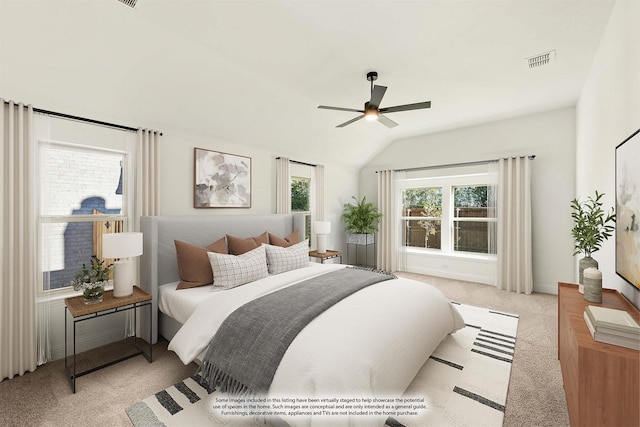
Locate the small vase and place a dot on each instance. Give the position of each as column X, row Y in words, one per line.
column 592, row 285
column 585, row 262
column 93, row 294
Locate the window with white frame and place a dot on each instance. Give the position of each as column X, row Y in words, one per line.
column 449, row 214
column 83, row 195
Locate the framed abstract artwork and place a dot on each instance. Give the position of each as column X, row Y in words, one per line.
column 222, row 180
column 628, row 209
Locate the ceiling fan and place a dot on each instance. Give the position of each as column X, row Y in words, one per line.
column 372, row 110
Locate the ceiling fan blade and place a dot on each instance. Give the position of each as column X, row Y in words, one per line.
column 387, row 121
column 324, row 107
column 407, row 107
column 376, row 95
column 350, row 121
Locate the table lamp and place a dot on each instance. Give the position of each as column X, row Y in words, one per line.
column 122, row 246
column 322, row 228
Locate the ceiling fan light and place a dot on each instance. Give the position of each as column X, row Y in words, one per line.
column 371, row 115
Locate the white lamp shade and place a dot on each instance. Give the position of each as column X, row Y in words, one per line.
column 322, row 227
column 121, row 245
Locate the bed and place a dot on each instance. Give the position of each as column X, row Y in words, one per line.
column 369, row 344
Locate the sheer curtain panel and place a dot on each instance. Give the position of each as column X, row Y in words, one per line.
column 283, row 186
column 319, row 181
column 18, row 247
column 514, row 225
column 146, row 199
column 387, row 236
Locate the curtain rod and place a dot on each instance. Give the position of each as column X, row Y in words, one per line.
column 83, row 119
column 451, row 165
column 86, row 120
column 298, row 162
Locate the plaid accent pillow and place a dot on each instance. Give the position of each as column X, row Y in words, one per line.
column 230, row 271
column 292, row 257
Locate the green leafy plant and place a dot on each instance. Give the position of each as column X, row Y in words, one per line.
column 591, row 224
column 361, row 217
column 93, row 276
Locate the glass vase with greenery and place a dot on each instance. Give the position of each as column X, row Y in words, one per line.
column 92, row 280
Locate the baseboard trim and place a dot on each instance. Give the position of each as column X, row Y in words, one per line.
column 453, row 275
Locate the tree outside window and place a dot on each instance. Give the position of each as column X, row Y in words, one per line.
column 300, row 195
column 300, row 190
column 422, row 208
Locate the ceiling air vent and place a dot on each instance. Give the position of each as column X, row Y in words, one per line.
column 131, row 3
column 541, row 59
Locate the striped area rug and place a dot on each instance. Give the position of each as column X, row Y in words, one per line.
column 464, row 383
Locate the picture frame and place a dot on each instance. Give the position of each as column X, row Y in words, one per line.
column 628, row 210
column 221, row 180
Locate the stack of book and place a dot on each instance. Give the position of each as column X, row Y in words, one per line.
column 612, row 326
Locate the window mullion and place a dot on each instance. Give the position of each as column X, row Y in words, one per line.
column 447, row 223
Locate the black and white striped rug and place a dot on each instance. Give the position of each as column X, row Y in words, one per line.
column 464, row 383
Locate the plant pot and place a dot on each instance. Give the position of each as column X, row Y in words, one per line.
column 361, row 239
column 93, row 293
column 585, row 262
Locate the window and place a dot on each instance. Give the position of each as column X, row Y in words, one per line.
column 450, row 214
column 472, row 233
column 301, row 200
column 422, row 217
column 300, row 193
column 82, row 198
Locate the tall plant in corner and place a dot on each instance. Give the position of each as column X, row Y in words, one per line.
column 360, row 218
column 592, row 226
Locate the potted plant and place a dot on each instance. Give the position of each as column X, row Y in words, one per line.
column 91, row 281
column 361, row 220
column 592, row 226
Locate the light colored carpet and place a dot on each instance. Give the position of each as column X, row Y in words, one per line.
column 536, row 395
column 44, row 398
column 464, row 383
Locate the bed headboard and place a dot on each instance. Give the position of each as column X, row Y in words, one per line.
column 158, row 264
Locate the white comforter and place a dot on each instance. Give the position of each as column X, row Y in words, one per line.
column 370, row 344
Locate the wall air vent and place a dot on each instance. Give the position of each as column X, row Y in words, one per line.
column 541, row 59
column 131, row 3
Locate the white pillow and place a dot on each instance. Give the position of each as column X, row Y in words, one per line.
column 281, row 259
column 230, row 271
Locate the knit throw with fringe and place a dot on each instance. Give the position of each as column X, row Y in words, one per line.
column 243, row 356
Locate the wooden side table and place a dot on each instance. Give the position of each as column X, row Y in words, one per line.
column 601, row 381
column 109, row 305
column 325, row 256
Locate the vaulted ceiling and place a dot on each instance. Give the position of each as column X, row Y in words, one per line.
column 254, row 72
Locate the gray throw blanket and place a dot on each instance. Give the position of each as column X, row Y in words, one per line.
column 245, row 353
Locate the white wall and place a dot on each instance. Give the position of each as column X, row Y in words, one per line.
column 549, row 135
column 176, row 160
column 608, row 111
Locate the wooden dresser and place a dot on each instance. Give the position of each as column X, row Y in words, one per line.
column 601, row 381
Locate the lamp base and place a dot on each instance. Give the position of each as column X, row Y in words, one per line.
column 321, row 240
column 123, row 277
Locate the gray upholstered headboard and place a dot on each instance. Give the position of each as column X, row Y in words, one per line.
column 158, row 263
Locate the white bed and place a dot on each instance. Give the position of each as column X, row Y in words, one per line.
column 371, row 344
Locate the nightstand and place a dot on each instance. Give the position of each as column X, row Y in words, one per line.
column 109, row 305
column 325, row 256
